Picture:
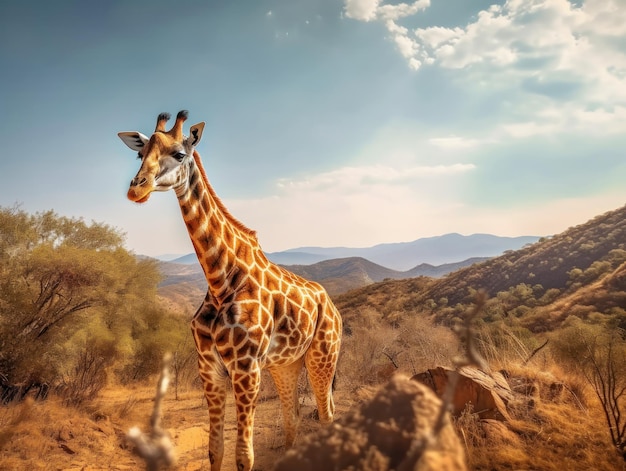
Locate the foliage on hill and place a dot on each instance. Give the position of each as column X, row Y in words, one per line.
column 564, row 262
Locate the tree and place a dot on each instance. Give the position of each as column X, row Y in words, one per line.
column 65, row 285
column 599, row 354
column 606, row 372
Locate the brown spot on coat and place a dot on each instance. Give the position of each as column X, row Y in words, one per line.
column 239, row 335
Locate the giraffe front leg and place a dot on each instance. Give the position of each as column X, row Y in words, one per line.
column 215, row 394
column 246, row 390
column 214, row 378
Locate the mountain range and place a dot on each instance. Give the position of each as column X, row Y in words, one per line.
column 339, row 270
column 184, row 285
column 402, row 256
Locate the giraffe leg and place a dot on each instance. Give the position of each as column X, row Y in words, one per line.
column 214, row 381
column 321, row 362
column 246, row 386
column 215, row 394
column 286, row 380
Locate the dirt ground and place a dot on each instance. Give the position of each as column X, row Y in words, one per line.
column 47, row 436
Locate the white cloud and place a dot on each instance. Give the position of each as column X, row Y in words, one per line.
column 563, row 64
column 550, row 42
column 414, row 63
column 436, row 35
column 353, row 205
column 406, row 45
column 553, row 119
column 401, row 10
column 370, row 10
column 363, row 10
column 351, row 179
column 455, row 142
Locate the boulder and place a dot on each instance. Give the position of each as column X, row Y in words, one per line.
column 394, row 430
column 488, row 393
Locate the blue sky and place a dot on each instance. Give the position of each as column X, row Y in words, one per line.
column 329, row 122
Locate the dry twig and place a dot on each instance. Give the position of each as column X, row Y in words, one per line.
column 471, row 357
column 155, row 447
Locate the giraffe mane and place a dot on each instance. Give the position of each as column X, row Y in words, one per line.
column 238, row 224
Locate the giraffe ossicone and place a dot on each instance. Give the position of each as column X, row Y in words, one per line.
column 256, row 315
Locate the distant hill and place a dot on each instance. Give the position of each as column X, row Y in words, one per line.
column 189, row 259
column 439, row 250
column 185, row 285
column 403, row 256
column 343, row 274
column 580, row 272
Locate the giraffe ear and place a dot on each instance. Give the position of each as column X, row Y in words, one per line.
column 195, row 133
column 134, row 140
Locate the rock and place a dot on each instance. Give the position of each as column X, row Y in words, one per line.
column 488, row 393
column 394, row 430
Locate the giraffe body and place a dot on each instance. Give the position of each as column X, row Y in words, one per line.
column 255, row 315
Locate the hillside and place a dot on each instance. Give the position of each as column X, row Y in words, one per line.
column 557, row 419
column 552, row 262
column 578, row 272
column 343, row 274
column 183, row 286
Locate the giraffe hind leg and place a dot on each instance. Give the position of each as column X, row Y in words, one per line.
column 286, row 380
column 321, row 363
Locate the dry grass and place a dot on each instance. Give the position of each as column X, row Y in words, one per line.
column 550, row 431
column 556, row 425
column 51, row 436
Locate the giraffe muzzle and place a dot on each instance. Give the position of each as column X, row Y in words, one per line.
column 139, row 190
column 137, row 182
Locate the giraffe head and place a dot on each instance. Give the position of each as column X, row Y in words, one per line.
column 164, row 156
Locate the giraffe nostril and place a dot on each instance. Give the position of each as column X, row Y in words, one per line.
column 137, row 182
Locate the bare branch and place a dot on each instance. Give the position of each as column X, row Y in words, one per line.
column 534, row 352
column 156, row 447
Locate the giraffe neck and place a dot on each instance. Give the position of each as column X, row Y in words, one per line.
column 220, row 241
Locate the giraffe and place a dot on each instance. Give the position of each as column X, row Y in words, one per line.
column 256, row 315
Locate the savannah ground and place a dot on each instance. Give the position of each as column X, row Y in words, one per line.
column 547, row 434
column 46, row 435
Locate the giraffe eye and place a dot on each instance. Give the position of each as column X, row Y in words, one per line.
column 180, row 156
